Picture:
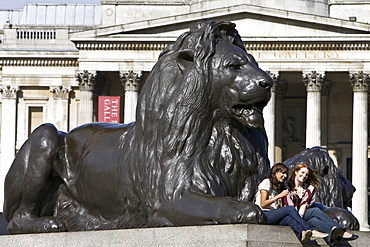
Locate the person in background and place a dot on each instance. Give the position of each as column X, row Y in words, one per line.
column 303, row 183
column 269, row 197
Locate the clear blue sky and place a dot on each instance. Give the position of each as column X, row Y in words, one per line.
column 18, row 4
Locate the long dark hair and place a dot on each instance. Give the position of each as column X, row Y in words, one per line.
column 311, row 179
column 276, row 185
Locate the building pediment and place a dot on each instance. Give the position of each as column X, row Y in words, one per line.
column 251, row 21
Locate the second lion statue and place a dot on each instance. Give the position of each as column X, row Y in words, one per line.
column 194, row 156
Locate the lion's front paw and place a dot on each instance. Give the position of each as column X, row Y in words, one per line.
column 241, row 212
column 251, row 214
column 36, row 225
column 54, row 225
column 344, row 218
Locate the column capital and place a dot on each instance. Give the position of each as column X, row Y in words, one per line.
column 60, row 92
column 86, row 80
column 9, row 92
column 359, row 81
column 313, row 81
column 130, row 80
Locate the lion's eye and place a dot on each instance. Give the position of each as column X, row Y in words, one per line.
column 234, row 65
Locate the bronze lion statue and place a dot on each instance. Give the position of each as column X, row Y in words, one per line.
column 335, row 191
column 194, row 156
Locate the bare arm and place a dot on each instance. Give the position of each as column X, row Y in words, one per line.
column 302, row 210
column 265, row 202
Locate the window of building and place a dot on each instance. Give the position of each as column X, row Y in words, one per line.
column 35, row 118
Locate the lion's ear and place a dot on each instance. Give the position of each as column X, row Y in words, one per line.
column 185, row 59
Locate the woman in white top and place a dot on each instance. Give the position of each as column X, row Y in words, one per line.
column 269, row 197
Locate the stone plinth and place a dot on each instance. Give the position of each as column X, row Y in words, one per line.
column 214, row 235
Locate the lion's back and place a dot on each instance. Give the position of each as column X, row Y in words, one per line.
column 93, row 159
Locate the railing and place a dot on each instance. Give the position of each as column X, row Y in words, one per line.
column 36, row 34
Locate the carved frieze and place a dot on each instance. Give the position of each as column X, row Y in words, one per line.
column 304, row 46
column 40, row 62
column 252, row 46
column 122, row 46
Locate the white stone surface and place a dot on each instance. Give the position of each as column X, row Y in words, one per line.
column 359, row 10
column 269, row 117
column 360, row 158
column 86, row 107
column 8, row 126
column 130, row 106
column 313, row 131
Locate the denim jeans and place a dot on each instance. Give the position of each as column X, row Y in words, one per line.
column 320, row 220
column 287, row 216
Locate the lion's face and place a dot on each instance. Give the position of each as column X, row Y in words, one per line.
column 241, row 89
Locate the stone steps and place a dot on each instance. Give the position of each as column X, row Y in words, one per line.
column 243, row 235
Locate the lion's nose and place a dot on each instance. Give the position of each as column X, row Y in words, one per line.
column 266, row 82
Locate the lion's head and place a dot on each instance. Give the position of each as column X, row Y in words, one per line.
column 206, row 72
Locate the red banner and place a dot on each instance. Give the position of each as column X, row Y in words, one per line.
column 109, row 109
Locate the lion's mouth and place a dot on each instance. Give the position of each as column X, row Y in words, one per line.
column 250, row 115
column 247, row 110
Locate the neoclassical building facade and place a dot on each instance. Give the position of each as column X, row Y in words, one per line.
column 56, row 60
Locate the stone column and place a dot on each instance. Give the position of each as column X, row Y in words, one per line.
column 86, row 81
column 313, row 82
column 8, row 133
column 280, row 90
column 61, row 96
column 269, row 116
column 131, row 83
column 360, row 82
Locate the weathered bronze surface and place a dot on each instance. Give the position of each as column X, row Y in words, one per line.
column 194, row 156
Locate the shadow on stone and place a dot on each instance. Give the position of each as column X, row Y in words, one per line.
column 3, row 225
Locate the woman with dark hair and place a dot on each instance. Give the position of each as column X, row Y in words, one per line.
column 303, row 183
column 269, row 197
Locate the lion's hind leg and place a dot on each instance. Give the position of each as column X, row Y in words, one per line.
column 29, row 181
